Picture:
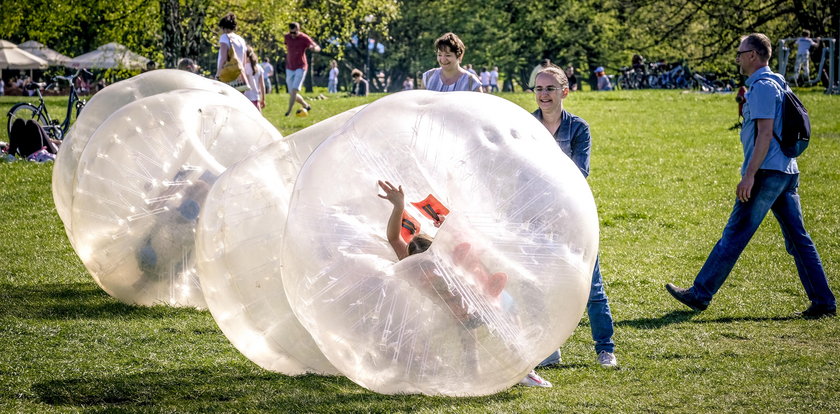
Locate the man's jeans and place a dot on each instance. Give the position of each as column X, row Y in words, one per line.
column 600, row 318
column 776, row 191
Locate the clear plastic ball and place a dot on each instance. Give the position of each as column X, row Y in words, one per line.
column 507, row 276
column 141, row 183
column 105, row 103
column 238, row 243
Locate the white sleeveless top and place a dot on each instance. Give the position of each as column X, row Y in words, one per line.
column 433, row 82
column 236, row 42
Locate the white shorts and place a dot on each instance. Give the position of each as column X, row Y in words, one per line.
column 294, row 79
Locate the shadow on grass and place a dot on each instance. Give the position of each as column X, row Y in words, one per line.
column 235, row 391
column 70, row 301
column 681, row 316
column 662, row 321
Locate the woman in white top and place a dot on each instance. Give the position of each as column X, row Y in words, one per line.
column 332, row 84
column 254, row 74
column 450, row 76
column 228, row 40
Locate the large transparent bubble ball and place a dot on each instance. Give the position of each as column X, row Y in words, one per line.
column 105, row 103
column 506, row 279
column 238, row 243
column 140, row 186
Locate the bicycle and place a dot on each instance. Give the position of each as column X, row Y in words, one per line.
column 709, row 83
column 52, row 127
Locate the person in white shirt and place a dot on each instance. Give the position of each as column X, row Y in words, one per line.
column 494, row 79
column 332, row 84
column 229, row 40
column 803, row 55
column 254, row 74
column 485, row 79
column 268, row 72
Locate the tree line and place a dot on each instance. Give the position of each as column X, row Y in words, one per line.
column 511, row 34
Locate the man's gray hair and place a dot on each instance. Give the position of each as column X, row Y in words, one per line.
column 761, row 44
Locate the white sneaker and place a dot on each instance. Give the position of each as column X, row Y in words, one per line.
column 534, row 380
column 607, row 359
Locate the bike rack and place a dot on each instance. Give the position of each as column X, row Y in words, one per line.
column 829, row 52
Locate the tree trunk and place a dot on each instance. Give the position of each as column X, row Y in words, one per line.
column 171, row 12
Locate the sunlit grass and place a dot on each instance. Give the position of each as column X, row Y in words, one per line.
column 664, row 170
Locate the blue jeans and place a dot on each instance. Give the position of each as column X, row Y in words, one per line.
column 600, row 318
column 776, row 191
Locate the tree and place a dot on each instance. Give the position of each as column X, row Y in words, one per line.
column 706, row 32
column 182, row 32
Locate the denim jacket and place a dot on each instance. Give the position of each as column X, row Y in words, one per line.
column 573, row 138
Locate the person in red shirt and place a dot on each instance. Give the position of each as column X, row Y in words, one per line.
column 297, row 43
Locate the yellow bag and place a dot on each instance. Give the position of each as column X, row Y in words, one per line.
column 231, row 72
column 232, row 69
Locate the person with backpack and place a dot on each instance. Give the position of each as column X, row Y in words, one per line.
column 769, row 181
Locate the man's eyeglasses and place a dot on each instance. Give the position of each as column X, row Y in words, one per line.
column 549, row 89
column 738, row 53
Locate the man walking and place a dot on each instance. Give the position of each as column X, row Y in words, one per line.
column 769, row 182
column 297, row 43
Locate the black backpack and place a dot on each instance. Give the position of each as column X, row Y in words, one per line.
column 796, row 124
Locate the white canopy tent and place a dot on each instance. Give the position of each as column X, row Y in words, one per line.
column 52, row 57
column 109, row 56
column 13, row 57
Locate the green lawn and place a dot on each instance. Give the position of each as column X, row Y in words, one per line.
column 664, row 170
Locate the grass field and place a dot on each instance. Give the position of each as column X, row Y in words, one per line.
column 664, row 170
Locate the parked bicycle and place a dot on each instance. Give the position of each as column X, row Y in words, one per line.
column 710, row 83
column 630, row 78
column 53, row 127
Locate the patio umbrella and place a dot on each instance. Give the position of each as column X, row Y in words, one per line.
column 111, row 55
column 52, row 57
column 13, row 57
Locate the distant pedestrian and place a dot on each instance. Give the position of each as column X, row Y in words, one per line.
column 450, row 76
column 297, row 43
column 484, row 76
column 229, row 40
column 604, row 83
column 188, row 65
column 254, row 75
column 408, row 84
column 769, row 182
column 360, row 84
column 268, row 73
column 803, row 55
column 470, row 69
column 494, row 79
column 332, row 82
column 570, row 75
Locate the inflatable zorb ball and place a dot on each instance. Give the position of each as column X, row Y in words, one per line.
column 141, row 183
column 506, row 279
column 105, row 103
column 238, row 243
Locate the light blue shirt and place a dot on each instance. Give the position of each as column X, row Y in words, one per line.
column 764, row 101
